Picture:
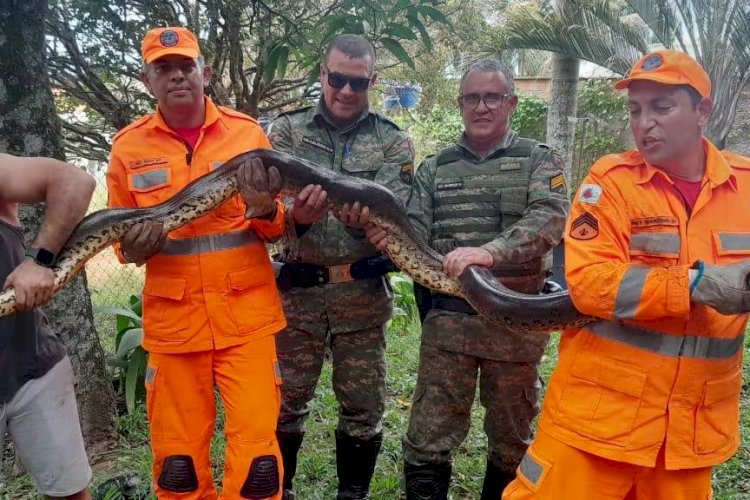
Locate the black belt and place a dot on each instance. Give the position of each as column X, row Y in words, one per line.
column 303, row 275
column 448, row 303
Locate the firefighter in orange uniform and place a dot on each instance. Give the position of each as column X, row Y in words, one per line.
column 210, row 304
column 645, row 400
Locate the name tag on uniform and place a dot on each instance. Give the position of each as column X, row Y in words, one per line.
column 510, row 166
column 145, row 162
column 444, row 186
column 316, row 143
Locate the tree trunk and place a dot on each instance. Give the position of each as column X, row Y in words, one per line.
column 29, row 126
column 563, row 102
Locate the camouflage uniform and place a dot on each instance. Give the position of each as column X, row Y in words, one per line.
column 512, row 203
column 349, row 317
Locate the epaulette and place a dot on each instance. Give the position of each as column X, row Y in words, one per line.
column 136, row 124
column 606, row 163
column 303, row 109
column 736, row 160
column 236, row 114
column 387, row 120
column 449, row 155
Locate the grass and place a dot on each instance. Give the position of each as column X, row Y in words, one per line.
column 316, row 476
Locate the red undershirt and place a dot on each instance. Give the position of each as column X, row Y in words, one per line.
column 689, row 191
column 189, row 135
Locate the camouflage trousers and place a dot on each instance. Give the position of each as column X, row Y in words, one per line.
column 358, row 358
column 441, row 411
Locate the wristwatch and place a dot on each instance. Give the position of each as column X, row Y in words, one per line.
column 41, row 256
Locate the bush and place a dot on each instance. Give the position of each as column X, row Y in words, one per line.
column 530, row 118
column 128, row 367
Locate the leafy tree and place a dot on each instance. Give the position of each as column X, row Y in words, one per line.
column 29, row 127
column 616, row 34
column 265, row 55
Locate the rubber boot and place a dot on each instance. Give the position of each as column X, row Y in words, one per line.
column 355, row 464
column 289, row 443
column 427, row 482
column 495, row 481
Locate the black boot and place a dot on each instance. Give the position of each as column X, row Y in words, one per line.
column 289, row 443
column 355, row 463
column 428, row 482
column 495, row 481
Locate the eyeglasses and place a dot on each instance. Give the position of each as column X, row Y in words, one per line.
column 492, row 100
column 338, row 81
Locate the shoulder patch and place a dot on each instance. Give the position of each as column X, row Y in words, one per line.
column 237, row 114
column 557, row 184
column 585, row 227
column 590, row 193
column 407, row 173
column 736, row 160
column 136, row 124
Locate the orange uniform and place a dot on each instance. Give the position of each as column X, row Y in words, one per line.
column 210, row 308
column 655, row 384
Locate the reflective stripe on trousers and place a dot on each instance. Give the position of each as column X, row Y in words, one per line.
column 688, row 346
column 209, row 243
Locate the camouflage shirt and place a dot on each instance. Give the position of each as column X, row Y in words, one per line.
column 372, row 148
column 513, row 203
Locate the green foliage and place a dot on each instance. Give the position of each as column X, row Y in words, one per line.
column 433, row 130
column 530, row 118
column 405, row 312
column 130, row 361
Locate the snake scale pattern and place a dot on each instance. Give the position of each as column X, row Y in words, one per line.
column 516, row 311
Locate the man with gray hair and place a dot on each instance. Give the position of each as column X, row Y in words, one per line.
column 499, row 201
column 334, row 290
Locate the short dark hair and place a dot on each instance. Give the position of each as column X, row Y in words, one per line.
column 354, row 46
column 491, row 66
column 695, row 96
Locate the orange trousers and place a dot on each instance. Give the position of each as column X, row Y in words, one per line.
column 181, row 411
column 552, row 470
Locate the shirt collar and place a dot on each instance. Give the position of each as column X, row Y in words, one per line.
column 212, row 116
column 717, row 171
column 508, row 139
column 322, row 115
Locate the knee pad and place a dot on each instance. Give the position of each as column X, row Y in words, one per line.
column 178, row 474
column 262, row 478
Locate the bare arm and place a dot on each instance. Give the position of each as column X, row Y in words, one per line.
column 65, row 189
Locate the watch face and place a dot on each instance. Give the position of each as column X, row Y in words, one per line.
column 41, row 256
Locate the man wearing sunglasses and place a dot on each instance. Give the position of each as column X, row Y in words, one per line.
column 334, row 291
column 495, row 200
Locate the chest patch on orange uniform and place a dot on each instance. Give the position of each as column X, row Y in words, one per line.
column 585, row 227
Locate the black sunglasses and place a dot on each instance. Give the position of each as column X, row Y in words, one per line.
column 338, row 81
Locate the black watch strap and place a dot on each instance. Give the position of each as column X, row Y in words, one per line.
column 41, row 256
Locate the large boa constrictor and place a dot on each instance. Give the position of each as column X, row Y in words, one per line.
column 542, row 313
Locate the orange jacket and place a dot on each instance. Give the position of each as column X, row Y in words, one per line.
column 656, row 370
column 212, row 286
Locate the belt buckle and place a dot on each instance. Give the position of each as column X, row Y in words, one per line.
column 340, row 274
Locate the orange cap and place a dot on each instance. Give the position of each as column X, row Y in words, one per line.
column 160, row 42
column 670, row 67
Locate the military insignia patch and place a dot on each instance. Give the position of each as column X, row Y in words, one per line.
column 652, row 62
column 590, row 193
column 407, row 173
column 169, row 38
column 557, row 184
column 316, row 143
column 585, row 227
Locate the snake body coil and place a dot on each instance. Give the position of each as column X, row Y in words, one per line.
column 542, row 313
